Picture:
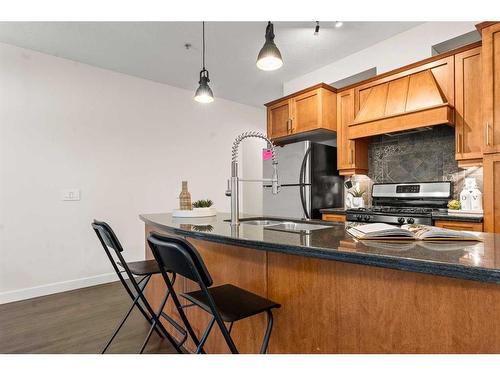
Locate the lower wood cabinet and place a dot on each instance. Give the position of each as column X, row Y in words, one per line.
column 333, row 217
column 459, row 225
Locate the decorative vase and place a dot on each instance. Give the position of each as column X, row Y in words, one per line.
column 185, row 197
column 358, row 202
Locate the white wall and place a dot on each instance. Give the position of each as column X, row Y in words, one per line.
column 402, row 49
column 125, row 142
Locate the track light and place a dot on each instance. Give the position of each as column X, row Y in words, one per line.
column 316, row 29
column 204, row 93
column 269, row 56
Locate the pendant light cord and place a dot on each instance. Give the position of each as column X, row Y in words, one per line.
column 203, row 33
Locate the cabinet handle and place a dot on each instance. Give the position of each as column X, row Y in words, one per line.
column 291, row 125
column 351, row 156
column 460, row 143
column 487, row 134
column 288, row 126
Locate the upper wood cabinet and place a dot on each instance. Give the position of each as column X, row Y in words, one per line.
column 491, row 87
column 469, row 129
column 312, row 109
column 352, row 155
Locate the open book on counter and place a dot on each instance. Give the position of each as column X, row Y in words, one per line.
column 381, row 231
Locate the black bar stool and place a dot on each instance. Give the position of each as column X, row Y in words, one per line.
column 226, row 303
column 144, row 270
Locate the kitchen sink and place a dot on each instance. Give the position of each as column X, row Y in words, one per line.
column 285, row 225
column 262, row 222
column 288, row 226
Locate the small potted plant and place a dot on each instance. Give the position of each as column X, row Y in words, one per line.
column 357, row 197
column 203, row 207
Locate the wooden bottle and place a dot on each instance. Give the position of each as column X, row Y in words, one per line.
column 185, row 197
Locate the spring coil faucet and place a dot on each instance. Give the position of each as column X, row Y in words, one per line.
column 233, row 183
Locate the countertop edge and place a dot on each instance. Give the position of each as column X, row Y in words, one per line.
column 382, row 261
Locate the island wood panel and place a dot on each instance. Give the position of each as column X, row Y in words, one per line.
column 245, row 268
column 335, row 307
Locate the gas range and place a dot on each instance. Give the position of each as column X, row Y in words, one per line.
column 404, row 203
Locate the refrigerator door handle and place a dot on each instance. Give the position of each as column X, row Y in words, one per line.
column 302, row 177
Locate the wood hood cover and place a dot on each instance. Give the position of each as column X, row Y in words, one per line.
column 409, row 102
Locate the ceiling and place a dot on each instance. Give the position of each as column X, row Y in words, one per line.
column 155, row 50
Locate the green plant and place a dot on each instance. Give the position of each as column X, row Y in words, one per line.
column 357, row 193
column 202, row 203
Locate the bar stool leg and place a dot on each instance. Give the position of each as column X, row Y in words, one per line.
column 123, row 320
column 205, row 335
column 162, row 305
column 267, row 335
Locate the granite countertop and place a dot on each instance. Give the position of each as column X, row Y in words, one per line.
column 478, row 261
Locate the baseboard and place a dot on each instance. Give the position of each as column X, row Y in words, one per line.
column 62, row 286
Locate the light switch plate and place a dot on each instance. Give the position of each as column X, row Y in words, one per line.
column 70, row 194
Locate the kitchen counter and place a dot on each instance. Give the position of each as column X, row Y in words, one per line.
column 446, row 216
column 339, row 295
column 467, row 260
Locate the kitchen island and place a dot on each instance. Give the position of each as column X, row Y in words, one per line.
column 340, row 295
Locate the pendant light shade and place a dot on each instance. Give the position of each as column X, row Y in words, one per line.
column 204, row 93
column 269, row 56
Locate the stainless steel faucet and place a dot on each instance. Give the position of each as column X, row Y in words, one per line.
column 233, row 183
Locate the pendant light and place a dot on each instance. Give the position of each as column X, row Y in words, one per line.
column 204, row 93
column 269, row 56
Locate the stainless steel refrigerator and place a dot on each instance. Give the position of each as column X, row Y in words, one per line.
column 309, row 181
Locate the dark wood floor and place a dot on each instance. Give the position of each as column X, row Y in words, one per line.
column 78, row 321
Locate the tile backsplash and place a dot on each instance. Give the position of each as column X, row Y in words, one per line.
column 423, row 156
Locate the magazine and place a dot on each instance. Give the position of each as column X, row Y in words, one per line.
column 381, row 231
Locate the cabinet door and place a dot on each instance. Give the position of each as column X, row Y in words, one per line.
column 345, row 115
column 491, row 195
column 333, row 217
column 491, row 87
column 278, row 119
column 469, row 129
column 306, row 111
column 352, row 156
column 459, row 225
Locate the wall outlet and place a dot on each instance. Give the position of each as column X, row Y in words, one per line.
column 70, row 194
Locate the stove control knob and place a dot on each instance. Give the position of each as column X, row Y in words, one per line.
column 359, row 217
column 401, row 220
column 366, row 218
column 410, row 220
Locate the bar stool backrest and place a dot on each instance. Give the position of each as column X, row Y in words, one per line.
column 176, row 255
column 109, row 241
